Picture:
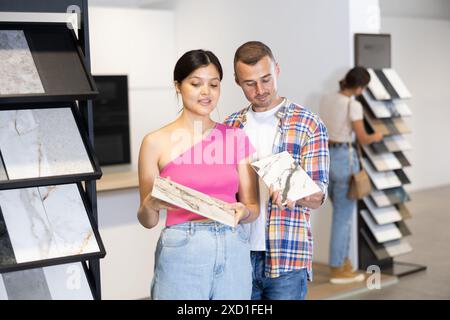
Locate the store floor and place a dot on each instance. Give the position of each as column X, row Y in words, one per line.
column 430, row 240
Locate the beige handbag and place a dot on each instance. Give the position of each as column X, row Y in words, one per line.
column 360, row 185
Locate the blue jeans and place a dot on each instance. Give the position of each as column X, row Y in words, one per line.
column 288, row 286
column 202, row 261
column 343, row 207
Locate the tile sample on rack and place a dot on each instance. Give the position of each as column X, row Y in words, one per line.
column 61, row 282
column 401, row 175
column 388, row 249
column 47, row 223
column 397, row 143
column 3, row 175
column 402, row 159
column 376, row 87
column 382, row 233
column 397, row 83
column 284, row 173
column 192, row 200
column 389, row 197
column 42, row 143
column 401, row 125
column 402, row 108
column 378, row 108
column 377, row 124
column 381, row 180
column 382, row 215
column 383, row 161
column 404, row 211
column 18, row 70
column 378, row 147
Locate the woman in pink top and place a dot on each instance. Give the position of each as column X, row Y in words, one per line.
column 197, row 258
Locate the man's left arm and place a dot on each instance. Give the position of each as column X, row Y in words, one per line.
column 316, row 162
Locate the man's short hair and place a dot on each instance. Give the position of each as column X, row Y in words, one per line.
column 251, row 52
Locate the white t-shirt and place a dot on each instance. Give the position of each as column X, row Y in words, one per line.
column 337, row 115
column 261, row 128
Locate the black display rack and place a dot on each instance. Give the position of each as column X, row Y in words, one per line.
column 89, row 193
column 374, row 51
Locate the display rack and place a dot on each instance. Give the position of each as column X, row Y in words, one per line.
column 72, row 94
column 382, row 230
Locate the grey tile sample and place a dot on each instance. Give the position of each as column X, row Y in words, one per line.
column 47, row 223
column 402, row 159
column 402, row 176
column 397, row 143
column 383, row 215
column 388, row 249
column 60, row 282
column 26, row 285
column 378, row 108
column 42, row 143
column 383, row 161
column 6, row 250
column 18, row 70
column 285, row 174
column 404, row 230
column 382, row 233
column 193, row 200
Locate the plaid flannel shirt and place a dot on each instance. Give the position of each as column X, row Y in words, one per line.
column 289, row 242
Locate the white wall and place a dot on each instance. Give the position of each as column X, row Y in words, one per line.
column 420, row 54
column 141, row 44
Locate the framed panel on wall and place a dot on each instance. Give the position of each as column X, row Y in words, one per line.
column 44, row 144
column 43, row 226
column 42, row 62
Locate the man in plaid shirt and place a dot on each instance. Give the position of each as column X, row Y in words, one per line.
column 281, row 239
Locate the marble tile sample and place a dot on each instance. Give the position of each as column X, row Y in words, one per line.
column 47, row 222
column 401, row 125
column 397, row 143
column 285, row 174
column 377, row 124
column 376, row 87
column 402, row 108
column 397, row 248
column 3, row 175
column 404, row 211
column 378, row 108
column 383, row 161
column 192, row 200
column 6, row 250
column 61, row 282
column 381, row 180
column 389, row 197
column 389, row 249
column 18, row 70
column 397, row 83
column 42, row 143
column 382, row 233
column 382, row 215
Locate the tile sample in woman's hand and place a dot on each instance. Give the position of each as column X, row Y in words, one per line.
column 284, row 173
column 192, row 200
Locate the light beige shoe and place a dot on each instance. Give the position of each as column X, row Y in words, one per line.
column 341, row 275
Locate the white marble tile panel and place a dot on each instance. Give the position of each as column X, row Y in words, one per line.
column 381, row 180
column 383, row 161
column 376, row 87
column 285, row 174
column 46, row 223
column 397, row 83
column 192, row 200
column 380, row 198
column 379, row 108
column 383, row 233
column 42, row 143
column 67, row 215
column 382, row 215
column 397, row 143
column 18, row 71
column 68, row 282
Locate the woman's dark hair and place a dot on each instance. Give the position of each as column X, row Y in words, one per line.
column 356, row 77
column 193, row 60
